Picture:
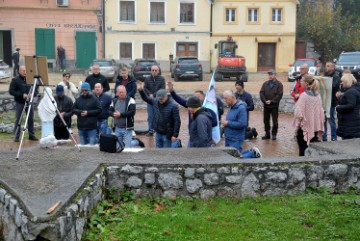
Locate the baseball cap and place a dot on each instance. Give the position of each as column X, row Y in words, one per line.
column 59, row 90
column 161, row 93
column 271, row 71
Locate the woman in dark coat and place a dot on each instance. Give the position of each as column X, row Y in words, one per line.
column 349, row 109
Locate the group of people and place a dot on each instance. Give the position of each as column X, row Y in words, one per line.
column 93, row 107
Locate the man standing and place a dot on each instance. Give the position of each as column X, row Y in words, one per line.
column 200, row 130
column 123, row 109
column 270, row 94
column 330, row 72
column 152, row 84
column 21, row 93
column 105, row 102
column 16, row 58
column 236, row 121
column 126, row 80
column 70, row 89
column 96, row 77
column 166, row 121
column 297, row 90
column 246, row 97
column 62, row 58
column 64, row 105
column 87, row 108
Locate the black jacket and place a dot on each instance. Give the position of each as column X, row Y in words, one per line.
column 16, row 57
column 349, row 113
column 128, row 114
column 99, row 78
column 131, row 87
column 92, row 105
column 105, row 102
column 64, row 104
column 153, row 84
column 272, row 92
column 166, row 119
column 201, row 129
column 335, row 87
column 18, row 87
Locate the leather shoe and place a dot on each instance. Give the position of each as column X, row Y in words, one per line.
column 273, row 138
column 33, row 138
column 265, row 137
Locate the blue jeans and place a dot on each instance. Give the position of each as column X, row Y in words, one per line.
column 124, row 135
column 237, row 144
column 248, row 154
column 102, row 126
column 150, row 111
column 162, row 141
column 87, row 137
column 332, row 125
column 62, row 63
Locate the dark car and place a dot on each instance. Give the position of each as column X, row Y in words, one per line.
column 142, row 68
column 108, row 67
column 186, row 67
column 348, row 60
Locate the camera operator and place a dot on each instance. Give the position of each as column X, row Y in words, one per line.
column 297, row 90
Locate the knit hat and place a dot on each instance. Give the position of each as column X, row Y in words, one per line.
column 85, row 86
column 59, row 90
column 240, row 83
column 193, row 102
column 161, row 93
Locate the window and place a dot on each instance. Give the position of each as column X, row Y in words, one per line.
column 149, row 51
column 125, row 50
column 276, row 15
column 230, row 15
column 157, row 12
column 187, row 13
column 253, row 15
column 127, row 11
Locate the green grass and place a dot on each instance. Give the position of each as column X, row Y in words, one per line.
column 310, row 216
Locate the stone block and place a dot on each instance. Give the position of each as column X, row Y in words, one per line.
column 234, row 170
column 193, row 186
column 276, row 177
column 152, row 169
column 2, row 195
column 233, row 179
column 225, row 191
column 7, row 200
column 212, row 179
column 315, row 173
column 149, row 178
column 223, row 170
column 201, row 170
column 18, row 217
column 296, row 175
column 134, row 182
column 79, row 228
column 189, row 172
column 170, row 181
column 170, row 194
column 250, row 186
column 330, row 184
column 131, row 169
column 206, row 194
column 336, row 170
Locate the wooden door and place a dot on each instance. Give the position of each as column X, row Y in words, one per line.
column 266, row 56
column 186, row 49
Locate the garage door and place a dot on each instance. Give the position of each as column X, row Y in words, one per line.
column 186, row 49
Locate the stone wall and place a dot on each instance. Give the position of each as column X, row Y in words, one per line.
column 6, row 102
column 68, row 224
column 234, row 180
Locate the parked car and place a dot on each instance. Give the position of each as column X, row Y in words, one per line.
column 4, row 70
column 348, row 60
column 141, row 68
column 108, row 67
column 294, row 70
column 186, row 67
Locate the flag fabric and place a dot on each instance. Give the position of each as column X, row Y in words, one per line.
column 210, row 102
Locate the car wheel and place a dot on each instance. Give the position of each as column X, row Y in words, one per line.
column 176, row 77
column 200, row 77
column 218, row 77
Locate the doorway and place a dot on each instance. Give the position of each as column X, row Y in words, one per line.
column 5, row 47
column 266, row 56
column 85, row 48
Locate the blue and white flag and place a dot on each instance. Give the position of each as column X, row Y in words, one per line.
column 211, row 103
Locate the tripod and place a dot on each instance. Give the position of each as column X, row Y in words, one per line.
column 29, row 105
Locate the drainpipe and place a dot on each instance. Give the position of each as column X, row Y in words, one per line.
column 103, row 27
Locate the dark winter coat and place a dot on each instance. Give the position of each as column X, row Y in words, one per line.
column 18, row 87
column 335, row 87
column 166, row 119
column 131, row 87
column 92, row 105
column 237, row 121
column 16, row 57
column 128, row 114
column 98, row 78
column 271, row 92
column 105, row 102
column 153, row 84
column 64, row 104
column 349, row 113
column 247, row 98
column 201, row 129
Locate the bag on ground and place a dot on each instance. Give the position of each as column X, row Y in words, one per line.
column 110, row 143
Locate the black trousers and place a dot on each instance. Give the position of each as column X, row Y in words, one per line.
column 302, row 143
column 274, row 113
column 61, row 133
column 19, row 109
column 16, row 69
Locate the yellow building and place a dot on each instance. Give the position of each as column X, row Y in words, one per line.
column 156, row 29
column 264, row 30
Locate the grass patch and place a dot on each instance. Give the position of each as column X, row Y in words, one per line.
column 310, row 216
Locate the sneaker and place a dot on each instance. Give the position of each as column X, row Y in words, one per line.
column 266, row 137
column 333, row 139
column 149, row 133
column 33, row 138
column 257, row 152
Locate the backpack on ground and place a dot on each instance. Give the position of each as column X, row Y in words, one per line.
column 110, row 143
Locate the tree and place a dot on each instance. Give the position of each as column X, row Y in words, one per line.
column 329, row 28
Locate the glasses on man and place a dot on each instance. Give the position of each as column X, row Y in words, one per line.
column 67, row 76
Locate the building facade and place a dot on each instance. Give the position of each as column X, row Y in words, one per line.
column 37, row 27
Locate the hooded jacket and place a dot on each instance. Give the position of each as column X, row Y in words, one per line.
column 90, row 104
column 200, row 130
column 237, row 121
column 131, row 87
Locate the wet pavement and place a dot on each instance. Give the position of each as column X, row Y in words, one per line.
column 285, row 145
